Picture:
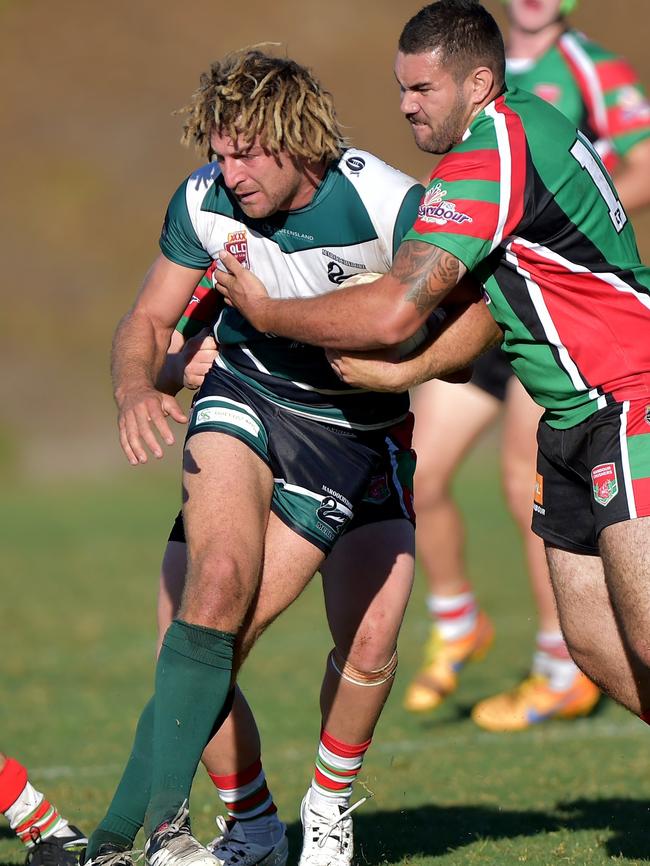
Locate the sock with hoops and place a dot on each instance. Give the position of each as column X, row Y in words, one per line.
column 248, row 800
column 455, row 615
column 30, row 815
column 337, row 766
column 553, row 661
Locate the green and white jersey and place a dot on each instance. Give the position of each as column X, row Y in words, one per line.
column 355, row 222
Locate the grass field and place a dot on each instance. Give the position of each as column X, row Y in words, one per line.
column 80, row 568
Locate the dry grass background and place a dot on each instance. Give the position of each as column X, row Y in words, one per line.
column 91, row 156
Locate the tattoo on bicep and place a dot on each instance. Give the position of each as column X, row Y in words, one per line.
column 427, row 271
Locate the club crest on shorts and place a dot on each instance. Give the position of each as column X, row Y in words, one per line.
column 378, row 491
column 237, row 245
column 604, row 483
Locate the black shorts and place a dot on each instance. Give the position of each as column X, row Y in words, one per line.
column 592, row 475
column 492, row 372
column 327, row 479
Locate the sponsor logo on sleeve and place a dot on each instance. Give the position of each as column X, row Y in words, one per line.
column 434, row 210
column 604, row 483
column 355, row 164
column 237, row 245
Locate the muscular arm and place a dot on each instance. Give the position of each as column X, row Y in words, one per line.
column 632, row 177
column 467, row 333
column 374, row 315
column 139, row 348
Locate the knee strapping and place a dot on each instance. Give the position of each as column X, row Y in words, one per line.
column 358, row 677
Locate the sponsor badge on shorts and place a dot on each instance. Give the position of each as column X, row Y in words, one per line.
column 604, row 482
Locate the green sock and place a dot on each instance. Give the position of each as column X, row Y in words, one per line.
column 192, row 685
column 126, row 813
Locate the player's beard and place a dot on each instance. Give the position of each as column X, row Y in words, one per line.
column 449, row 133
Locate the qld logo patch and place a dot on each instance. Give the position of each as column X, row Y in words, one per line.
column 237, row 245
column 604, row 483
column 434, row 210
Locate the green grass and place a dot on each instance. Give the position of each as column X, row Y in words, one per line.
column 77, row 633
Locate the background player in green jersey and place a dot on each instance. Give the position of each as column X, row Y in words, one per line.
column 600, row 93
column 521, row 200
column 272, row 196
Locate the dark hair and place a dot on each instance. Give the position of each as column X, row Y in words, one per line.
column 463, row 31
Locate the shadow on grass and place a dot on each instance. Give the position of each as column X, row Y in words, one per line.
column 431, row 831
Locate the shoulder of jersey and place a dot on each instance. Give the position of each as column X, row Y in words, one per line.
column 200, row 181
column 365, row 169
column 594, row 51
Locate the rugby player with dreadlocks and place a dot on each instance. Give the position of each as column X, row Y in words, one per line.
column 281, row 461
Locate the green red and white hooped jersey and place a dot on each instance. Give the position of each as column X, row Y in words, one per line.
column 526, row 204
column 355, row 222
column 597, row 90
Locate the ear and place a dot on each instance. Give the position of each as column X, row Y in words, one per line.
column 481, row 81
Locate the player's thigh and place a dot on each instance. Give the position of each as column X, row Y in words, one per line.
column 290, row 561
column 583, row 602
column 367, row 580
column 625, row 550
column 448, row 420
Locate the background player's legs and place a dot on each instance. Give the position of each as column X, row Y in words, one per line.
column 448, row 420
column 49, row 838
column 598, row 641
column 367, row 580
column 556, row 682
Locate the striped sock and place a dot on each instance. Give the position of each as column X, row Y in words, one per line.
column 245, row 794
column 455, row 615
column 553, row 661
column 337, row 766
column 30, row 815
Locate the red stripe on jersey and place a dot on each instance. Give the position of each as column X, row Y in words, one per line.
column 637, row 419
column 641, row 491
column 518, row 150
column 585, row 91
column 603, row 329
column 615, row 73
column 482, row 164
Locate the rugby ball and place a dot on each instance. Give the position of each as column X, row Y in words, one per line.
column 406, row 346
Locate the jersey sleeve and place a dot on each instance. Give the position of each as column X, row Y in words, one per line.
column 179, row 241
column 204, row 307
column 407, row 214
column 627, row 110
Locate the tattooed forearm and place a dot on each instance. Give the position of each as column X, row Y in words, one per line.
column 427, row 271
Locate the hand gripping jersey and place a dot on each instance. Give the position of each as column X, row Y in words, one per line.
column 525, row 202
column 354, row 223
column 599, row 92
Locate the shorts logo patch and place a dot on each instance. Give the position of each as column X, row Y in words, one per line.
column 378, row 491
column 434, row 210
column 237, row 245
column 605, row 483
column 224, row 415
column 539, row 489
column 333, row 514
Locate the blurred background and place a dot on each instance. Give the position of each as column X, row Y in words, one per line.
column 91, row 155
column 90, row 158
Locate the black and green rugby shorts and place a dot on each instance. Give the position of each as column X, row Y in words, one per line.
column 592, row 475
column 328, row 479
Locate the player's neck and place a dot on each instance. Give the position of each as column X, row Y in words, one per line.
column 312, row 175
column 524, row 45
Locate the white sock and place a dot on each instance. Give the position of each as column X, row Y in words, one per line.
column 455, row 615
column 552, row 660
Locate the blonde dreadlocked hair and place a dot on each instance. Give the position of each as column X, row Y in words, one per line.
column 249, row 93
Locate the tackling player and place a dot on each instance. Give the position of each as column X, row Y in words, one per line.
column 600, row 93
